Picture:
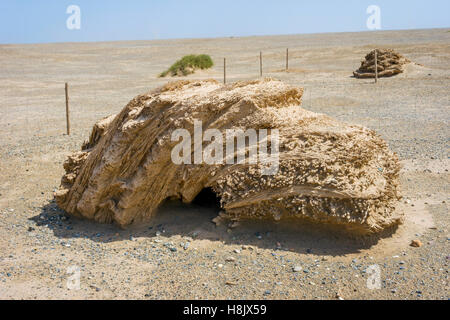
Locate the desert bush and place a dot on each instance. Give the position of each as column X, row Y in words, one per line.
column 188, row 64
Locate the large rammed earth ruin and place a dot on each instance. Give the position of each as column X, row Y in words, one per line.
column 329, row 172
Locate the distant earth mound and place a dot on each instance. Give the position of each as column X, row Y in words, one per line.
column 389, row 63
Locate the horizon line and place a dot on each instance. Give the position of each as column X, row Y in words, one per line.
column 222, row 37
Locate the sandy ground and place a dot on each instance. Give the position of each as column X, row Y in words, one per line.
column 182, row 254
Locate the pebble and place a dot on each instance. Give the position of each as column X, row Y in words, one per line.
column 297, row 269
column 234, row 224
column 230, row 259
column 338, row 296
column 416, row 243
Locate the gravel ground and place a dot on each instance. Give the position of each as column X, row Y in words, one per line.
column 181, row 254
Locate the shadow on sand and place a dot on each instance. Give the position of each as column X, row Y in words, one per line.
column 194, row 220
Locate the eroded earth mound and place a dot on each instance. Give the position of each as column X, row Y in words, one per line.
column 389, row 63
column 328, row 172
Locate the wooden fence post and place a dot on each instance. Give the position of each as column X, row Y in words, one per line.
column 376, row 66
column 287, row 59
column 224, row 70
column 260, row 63
column 67, row 109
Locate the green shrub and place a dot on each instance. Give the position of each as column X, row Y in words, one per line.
column 188, row 64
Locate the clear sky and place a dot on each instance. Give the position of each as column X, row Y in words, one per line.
column 32, row 21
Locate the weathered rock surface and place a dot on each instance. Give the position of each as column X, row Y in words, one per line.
column 389, row 63
column 329, row 172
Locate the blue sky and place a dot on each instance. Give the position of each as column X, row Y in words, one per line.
column 31, row 21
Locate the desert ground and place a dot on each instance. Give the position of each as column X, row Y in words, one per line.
column 182, row 254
